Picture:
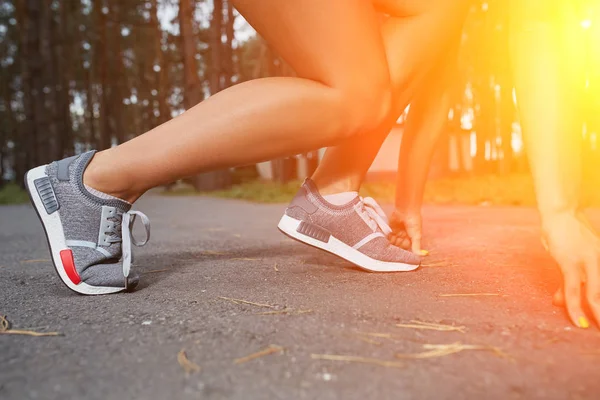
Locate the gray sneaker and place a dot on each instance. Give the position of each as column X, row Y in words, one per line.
column 89, row 237
column 356, row 232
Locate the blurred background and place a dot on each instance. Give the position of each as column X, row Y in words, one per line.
column 83, row 74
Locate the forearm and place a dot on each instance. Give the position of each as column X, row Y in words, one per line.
column 425, row 124
column 546, row 74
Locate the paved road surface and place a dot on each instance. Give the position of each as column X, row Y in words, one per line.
column 125, row 346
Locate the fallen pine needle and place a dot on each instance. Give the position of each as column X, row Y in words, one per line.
column 29, row 333
column 239, row 301
column 212, row 253
column 41, row 260
column 377, row 335
column 155, row 271
column 186, row 364
column 414, row 324
column 275, row 268
column 367, row 340
column 441, row 350
column 6, row 330
column 438, row 264
column 469, row 294
column 289, row 311
column 4, row 324
column 269, row 350
column 355, row 359
column 244, row 259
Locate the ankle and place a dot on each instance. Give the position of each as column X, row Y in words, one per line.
column 100, row 174
column 328, row 187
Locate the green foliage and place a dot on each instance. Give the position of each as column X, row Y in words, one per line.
column 12, row 194
column 504, row 190
column 257, row 191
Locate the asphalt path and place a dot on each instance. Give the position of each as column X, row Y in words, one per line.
column 487, row 276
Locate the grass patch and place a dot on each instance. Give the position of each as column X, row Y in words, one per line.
column 257, row 191
column 509, row 190
column 12, row 194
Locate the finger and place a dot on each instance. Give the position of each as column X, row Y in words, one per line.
column 592, row 288
column 572, row 284
column 401, row 234
column 559, row 298
column 416, row 245
column 405, row 244
column 396, row 241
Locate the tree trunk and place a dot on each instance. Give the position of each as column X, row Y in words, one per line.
column 118, row 78
column 23, row 151
column 228, row 48
column 89, row 99
column 61, row 35
column 101, row 60
column 216, row 47
column 161, row 76
column 34, row 76
column 192, row 86
column 193, row 94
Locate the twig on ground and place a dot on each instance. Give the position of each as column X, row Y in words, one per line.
column 29, row 333
column 239, row 301
column 367, row 340
column 5, row 329
column 377, row 335
column 441, row 350
column 289, row 311
column 41, row 260
column 4, row 324
column 275, row 268
column 188, row 366
column 269, row 350
column 155, row 271
column 244, row 259
column 355, row 359
column 415, row 324
column 212, row 253
column 438, row 264
column 469, row 294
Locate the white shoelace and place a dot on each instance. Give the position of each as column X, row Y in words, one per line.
column 128, row 239
column 376, row 214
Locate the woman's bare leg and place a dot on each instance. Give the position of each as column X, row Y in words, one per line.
column 415, row 36
column 343, row 90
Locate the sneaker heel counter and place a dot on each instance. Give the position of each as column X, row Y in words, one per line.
column 300, row 207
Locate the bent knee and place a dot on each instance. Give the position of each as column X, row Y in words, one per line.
column 365, row 108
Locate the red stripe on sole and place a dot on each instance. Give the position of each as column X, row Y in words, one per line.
column 66, row 256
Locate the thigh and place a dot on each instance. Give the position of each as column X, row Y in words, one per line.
column 336, row 42
column 419, row 35
column 412, row 8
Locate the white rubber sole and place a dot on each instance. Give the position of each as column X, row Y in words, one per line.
column 56, row 237
column 289, row 226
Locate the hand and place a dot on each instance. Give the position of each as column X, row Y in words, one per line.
column 575, row 246
column 406, row 230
